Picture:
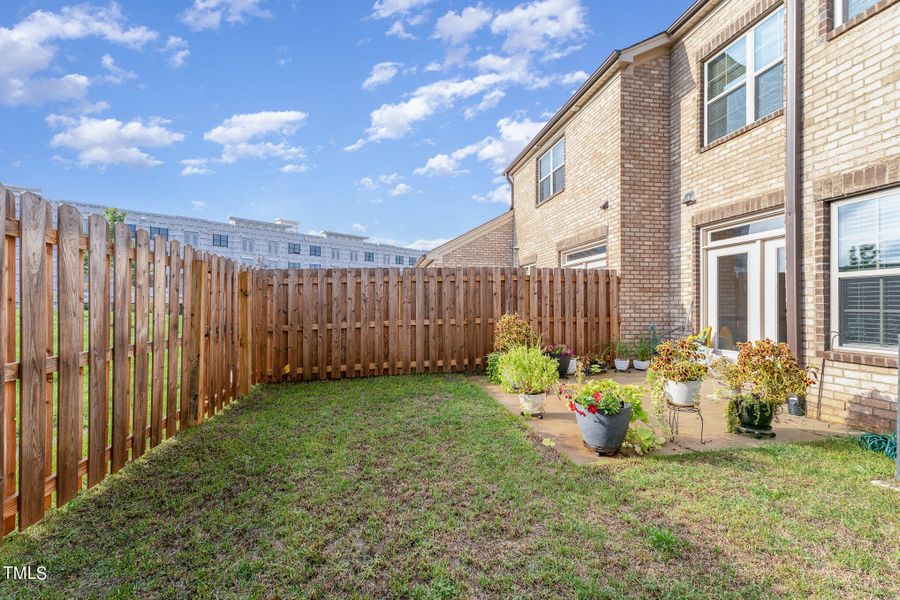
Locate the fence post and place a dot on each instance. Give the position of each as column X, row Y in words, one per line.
column 244, row 344
column 195, row 346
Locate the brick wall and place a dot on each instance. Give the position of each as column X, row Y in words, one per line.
column 493, row 248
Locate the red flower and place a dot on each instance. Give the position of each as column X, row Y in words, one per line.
column 592, row 408
column 572, row 406
column 597, row 396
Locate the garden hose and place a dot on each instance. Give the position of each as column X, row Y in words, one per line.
column 882, row 443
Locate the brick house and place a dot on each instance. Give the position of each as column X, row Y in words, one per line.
column 488, row 245
column 736, row 181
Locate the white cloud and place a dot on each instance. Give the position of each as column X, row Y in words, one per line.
column 196, row 166
column 381, row 74
column 447, row 164
column 385, row 9
column 421, row 244
column 455, row 28
column 28, row 49
column 292, row 168
column 401, row 189
column 110, row 141
column 240, row 137
column 366, row 183
column 488, row 101
column 535, row 26
column 209, row 14
column 399, row 31
column 498, row 195
column 574, row 78
column 390, row 178
column 117, row 74
column 177, row 49
column 358, row 227
column 199, row 205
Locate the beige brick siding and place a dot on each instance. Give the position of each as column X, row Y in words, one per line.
column 493, row 248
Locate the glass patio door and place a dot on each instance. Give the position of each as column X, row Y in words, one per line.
column 774, row 293
column 733, row 295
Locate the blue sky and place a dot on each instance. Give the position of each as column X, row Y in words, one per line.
column 391, row 119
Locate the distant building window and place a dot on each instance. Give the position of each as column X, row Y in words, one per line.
column 247, row 245
column 335, row 254
column 398, row 260
column 293, row 248
column 315, row 266
column 745, row 82
column 315, row 250
column 844, row 10
column 219, row 240
column 369, row 257
column 387, row 259
column 163, row 231
column 293, row 265
column 273, row 247
column 412, row 261
column 132, row 228
column 354, row 255
column 552, row 171
column 192, row 238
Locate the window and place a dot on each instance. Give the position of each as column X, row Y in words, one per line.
column 132, row 228
column 398, row 260
column 369, row 256
column 315, row 266
column 192, row 238
column 552, row 171
column 273, row 247
column 591, row 257
column 529, row 268
column 387, row 259
column 293, row 265
column 335, row 254
column 295, row 249
column 313, row 250
column 412, row 261
column 354, row 255
column 844, row 10
column 163, row 231
column 865, row 271
column 247, row 245
column 745, row 82
column 220, row 240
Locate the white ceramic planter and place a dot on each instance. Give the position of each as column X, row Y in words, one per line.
column 683, row 394
column 641, row 365
column 532, row 404
column 573, row 365
column 622, row 364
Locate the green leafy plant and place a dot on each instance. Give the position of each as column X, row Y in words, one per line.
column 492, row 367
column 527, row 370
column 605, row 396
column 729, row 373
column 622, row 349
column 751, row 405
column 511, row 331
column 773, row 371
column 657, row 385
column 642, row 349
column 679, row 361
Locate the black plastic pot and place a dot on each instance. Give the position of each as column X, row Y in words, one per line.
column 755, row 415
column 563, row 361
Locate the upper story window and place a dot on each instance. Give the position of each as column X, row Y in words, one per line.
column 220, row 240
column 294, row 248
column 588, row 257
column 293, row 265
column 132, row 228
column 315, row 266
column 354, row 255
column 273, row 247
column 192, row 238
column 412, row 261
column 552, row 171
column 315, row 250
column 844, row 10
column 247, row 245
column 398, row 260
column 369, row 257
column 335, row 254
column 387, row 259
column 745, row 82
column 865, row 271
column 163, row 231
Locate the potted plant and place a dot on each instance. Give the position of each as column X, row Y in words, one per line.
column 682, row 366
column 703, row 339
column 511, row 331
column 730, row 374
column 594, row 364
column 563, row 356
column 573, row 365
column 528, row 372
column 604, row 411
column 622, row 353
column 643, row 351
column 772, row 370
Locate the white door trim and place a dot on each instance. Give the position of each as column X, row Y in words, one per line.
column 753, row 292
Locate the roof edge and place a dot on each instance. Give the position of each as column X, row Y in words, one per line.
column 482, row 228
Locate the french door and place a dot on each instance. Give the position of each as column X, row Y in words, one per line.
column 744, row 292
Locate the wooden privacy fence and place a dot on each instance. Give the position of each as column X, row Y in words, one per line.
column 333, row 323
column 111, row 343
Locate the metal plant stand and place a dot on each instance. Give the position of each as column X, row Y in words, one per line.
column 675, row 411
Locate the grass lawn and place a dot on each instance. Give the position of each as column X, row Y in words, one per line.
column 424, row 486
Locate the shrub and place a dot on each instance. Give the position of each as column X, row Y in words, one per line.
column 513, row 331
column 729, row 373
column 679, row 361
column 773, row 371
column 527, row 370
column 492, row 367
column 643, row 350
column 622, row 349
column 557, row 350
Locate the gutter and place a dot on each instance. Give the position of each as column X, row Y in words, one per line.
column 792, row 219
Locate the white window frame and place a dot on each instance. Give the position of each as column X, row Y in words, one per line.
column 751, row 74
column 840, row 12
column 836, row 275
column 248, row 245
column 553, row 169
column 582, row 263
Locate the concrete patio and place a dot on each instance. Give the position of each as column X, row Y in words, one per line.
column 559, row 424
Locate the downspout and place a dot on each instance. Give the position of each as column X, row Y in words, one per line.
column 512, row 192
column 792, row 221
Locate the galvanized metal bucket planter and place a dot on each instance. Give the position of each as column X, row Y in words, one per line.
column 682, row 393
column 604, row 433
column 532, row 404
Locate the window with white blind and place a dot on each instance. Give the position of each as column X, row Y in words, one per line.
column 588, row 257
column 552, row 171
column 865, row 271
column 745, row 82
column 844, row 10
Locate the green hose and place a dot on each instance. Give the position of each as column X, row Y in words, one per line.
column 876, row 442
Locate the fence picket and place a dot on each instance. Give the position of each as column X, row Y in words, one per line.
column 172, row 357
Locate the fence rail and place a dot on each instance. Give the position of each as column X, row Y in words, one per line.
column 110, row 344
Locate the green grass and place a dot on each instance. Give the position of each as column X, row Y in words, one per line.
column 425, row 487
